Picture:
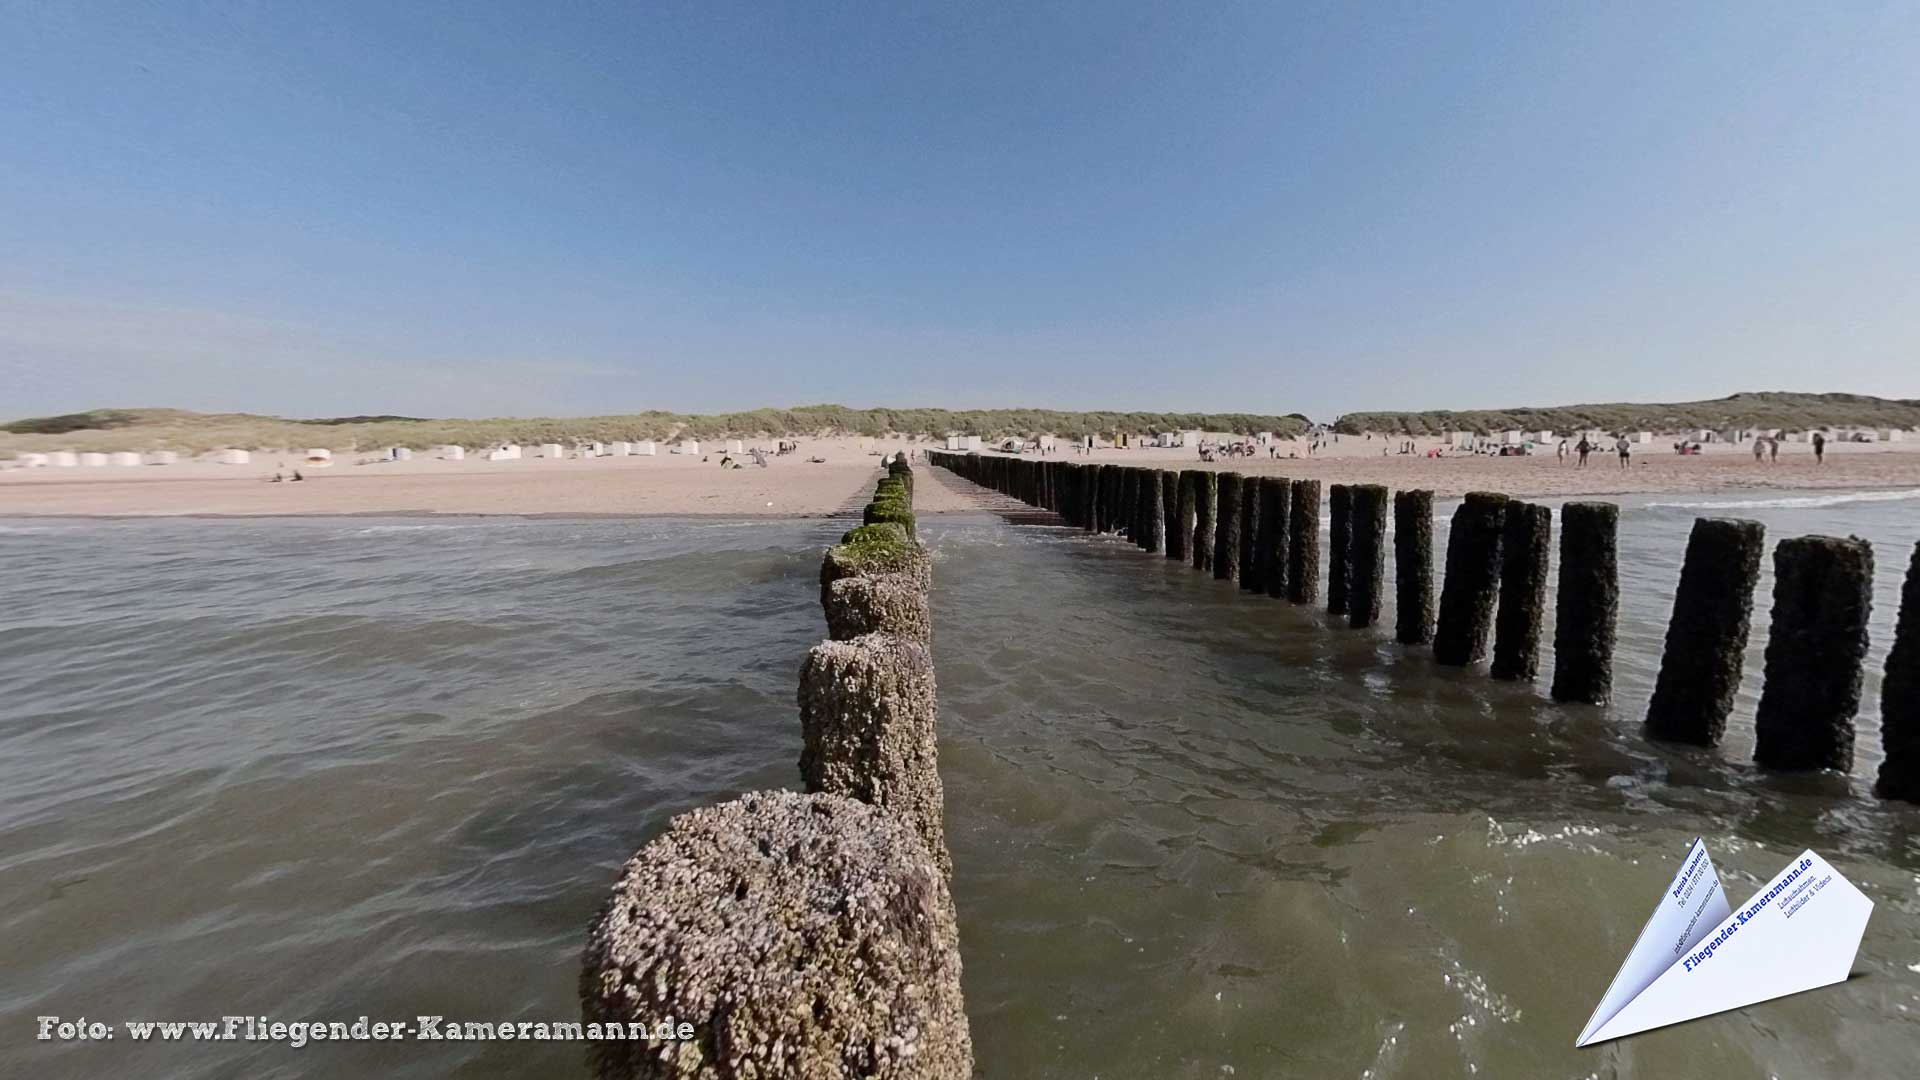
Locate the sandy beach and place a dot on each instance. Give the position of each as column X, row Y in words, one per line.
column 789, row 486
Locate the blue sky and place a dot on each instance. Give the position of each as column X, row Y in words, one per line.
column 493, row 209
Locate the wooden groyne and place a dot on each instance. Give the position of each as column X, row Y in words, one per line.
column 807, row 935
column 1264, row 532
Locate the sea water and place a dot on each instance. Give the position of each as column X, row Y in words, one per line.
column 326, row 768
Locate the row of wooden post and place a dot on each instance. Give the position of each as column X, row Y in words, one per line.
column 1264, row 534
column 806, row 935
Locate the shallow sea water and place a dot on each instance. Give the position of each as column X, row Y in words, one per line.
column 320, row 768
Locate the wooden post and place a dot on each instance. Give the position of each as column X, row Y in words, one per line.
column 1413, row 567
column 1252, row 575
column 1275, row 499
column 1588, row 603
column 1900, row 698
column 1524, row 550
column 1339, row 546
column 1367, row 553
column 1205, row 490
column 1816, row 653
column 1707, row 634
column 1226, row 532
column 1172, row 526
column 1473, row 579
column 1303, row 542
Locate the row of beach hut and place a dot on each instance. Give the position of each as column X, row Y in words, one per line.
column 68, row 459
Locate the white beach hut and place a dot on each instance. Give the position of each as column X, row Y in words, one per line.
column 319, row 456
column 1048, row 443
column 687, row 446
column 63, row 459
column 231, row 456
column 1543, row 436
column 162, row 457
column 619, row 449
column 93, row 460
column 399, row 453
column 552, row 451
column 30, row 461
column 956, row 442
column 645, row 448
column 1890, row 434
column 735, row 446
column 509, row 452
column 123, row 457
column 453, row 453
column 1643, row 437
column 1513, row 438
column 973, row 443
column 866, row 444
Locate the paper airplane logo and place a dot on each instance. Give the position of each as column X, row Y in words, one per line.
column 1696, row 956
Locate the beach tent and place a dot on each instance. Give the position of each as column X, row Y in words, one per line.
column 232, row 457
column 63, row 459
column 644, row 448
column 687, row 446
column 30, row 461
column 162, row 457
column 93, row 460
column 453, row 453
column 124, row 457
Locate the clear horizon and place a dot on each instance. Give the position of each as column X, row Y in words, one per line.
column 435, row 210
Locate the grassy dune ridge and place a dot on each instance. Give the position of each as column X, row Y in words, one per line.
column 1792, row 412
column 191, row 432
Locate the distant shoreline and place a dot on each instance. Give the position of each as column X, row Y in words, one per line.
column 793, row 488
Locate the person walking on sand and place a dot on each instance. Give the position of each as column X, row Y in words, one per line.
column 1773, row 449
column 1583, row 450
column 1626, row 451
column 1819, row 449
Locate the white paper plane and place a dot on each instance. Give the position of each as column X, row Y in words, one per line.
column 1696, row 956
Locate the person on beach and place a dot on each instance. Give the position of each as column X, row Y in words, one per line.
column 1583, row 450
column 1759, row 449
column 1563, row 451
column 1819, row 449
column 1626, row 450
column 1773, row 449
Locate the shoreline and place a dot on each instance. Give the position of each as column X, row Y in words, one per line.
column 794, row 488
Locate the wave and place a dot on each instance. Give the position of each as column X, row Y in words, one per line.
column 1793, row 501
